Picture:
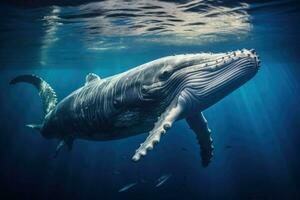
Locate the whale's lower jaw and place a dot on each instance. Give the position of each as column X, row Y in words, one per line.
column 150, row 97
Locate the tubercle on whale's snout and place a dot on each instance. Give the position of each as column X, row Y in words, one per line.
column 246, row 53
column 231, row 57
column 256, row 58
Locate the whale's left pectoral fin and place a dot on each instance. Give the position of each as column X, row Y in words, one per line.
column 198, row 124
column 91, row 77
column 165, row 121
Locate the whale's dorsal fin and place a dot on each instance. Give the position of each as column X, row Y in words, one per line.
column 91, row 77
column 198, row 124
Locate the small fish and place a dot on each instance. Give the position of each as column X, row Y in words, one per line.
column 162, row 180
column 127, row 187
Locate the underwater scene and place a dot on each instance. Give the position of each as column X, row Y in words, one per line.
column 236, row 61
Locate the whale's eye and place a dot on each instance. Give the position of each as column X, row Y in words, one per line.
column 164, row 75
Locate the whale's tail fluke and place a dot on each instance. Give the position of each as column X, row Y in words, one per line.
column 46, row 93
column 37, row 127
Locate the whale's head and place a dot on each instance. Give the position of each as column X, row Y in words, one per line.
column 204, row 77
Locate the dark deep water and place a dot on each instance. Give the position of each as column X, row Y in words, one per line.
column 255, row 129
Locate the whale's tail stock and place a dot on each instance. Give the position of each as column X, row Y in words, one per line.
column 46, row 93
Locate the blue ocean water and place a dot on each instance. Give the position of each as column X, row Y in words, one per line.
column 255, row 129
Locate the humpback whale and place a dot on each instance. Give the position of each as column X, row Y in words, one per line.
column 147, row 98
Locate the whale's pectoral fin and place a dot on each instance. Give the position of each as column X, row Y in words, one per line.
column 91, row 77
column 164, row 123
column 198, row 124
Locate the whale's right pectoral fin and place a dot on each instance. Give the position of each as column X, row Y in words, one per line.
column 91, row 77
column 165, row 122
column 198, row 124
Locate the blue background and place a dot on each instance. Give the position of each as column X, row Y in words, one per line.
column 260, row 122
